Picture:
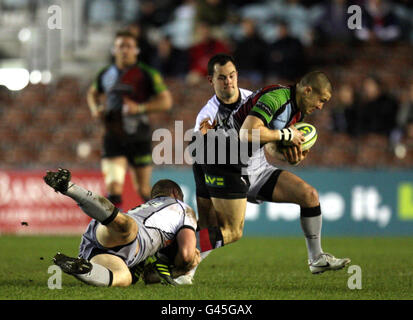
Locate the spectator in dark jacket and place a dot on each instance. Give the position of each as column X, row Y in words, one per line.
column 377, row 112
column 286, row 56
column 251, row 52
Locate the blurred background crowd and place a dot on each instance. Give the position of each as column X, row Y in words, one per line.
column 45, row 122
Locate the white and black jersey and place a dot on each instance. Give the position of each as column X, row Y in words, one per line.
column 260, row 172
column 219, row 180
column 163, row 218
column 218, row 111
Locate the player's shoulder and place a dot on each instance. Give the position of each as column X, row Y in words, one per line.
column 148, row 68
column 184, row 205
column 212, row 103
column 189, row 214
column 155, row 75
column 211, row 106
column 276, row 92
column 245, row 93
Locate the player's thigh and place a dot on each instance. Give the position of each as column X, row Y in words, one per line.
column 121, row 274
column 228, row 193
column 206, row 212
column 205, row 209
column 121, row 231
column 114, row 171
column 230, row 213
column 291, row 188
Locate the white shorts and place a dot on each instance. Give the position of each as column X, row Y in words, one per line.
column 259, row 172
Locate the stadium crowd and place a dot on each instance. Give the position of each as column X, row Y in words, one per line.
column 367, row 124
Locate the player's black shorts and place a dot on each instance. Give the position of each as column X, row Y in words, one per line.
column 216, row 177
column 138, row 152
column 220, row 181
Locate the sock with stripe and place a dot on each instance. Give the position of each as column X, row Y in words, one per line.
column 209, row 238
column 311, row 222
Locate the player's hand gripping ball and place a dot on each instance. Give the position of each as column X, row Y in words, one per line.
column 309, row 132
column 274, row 150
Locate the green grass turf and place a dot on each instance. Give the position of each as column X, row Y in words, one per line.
column 251, row 269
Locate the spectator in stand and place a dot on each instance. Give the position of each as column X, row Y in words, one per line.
column 200, row 53
column 154, row 14
column 403, row 9
column 404, row 118
column 300, row 18
column 379, row 23
column 180, row 28
column 146, row 49
column 251, row 52
column 378, row 109
column 332, row 24
column 286, row 57
column 212, row 12
column 342, row 112
column 169, row 60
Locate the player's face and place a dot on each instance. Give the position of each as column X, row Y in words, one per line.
column 125, row 50
column 313, row 100
column 225, row 81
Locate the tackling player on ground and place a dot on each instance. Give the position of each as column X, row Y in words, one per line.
column 116, row 246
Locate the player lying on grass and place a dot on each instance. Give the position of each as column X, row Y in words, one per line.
column 116, row 246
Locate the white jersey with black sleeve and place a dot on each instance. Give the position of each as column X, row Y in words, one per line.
column 218, row 111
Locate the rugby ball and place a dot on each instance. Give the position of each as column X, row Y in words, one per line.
column 309, row 132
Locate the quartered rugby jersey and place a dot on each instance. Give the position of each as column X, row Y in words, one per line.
column 139, row 82
column 275, row 105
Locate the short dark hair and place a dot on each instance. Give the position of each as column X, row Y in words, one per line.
column 318, row 80
column 126, row 34
column 221, row 59
column 164, row 188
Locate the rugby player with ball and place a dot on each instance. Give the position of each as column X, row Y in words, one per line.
column 276, row 111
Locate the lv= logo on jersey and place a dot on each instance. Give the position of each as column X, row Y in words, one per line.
column 214, row 181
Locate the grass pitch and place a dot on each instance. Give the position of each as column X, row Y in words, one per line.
column 251, row 269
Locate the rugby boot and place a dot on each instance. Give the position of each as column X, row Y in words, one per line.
column 72, row 265
column 59, row 180
column 326, row 262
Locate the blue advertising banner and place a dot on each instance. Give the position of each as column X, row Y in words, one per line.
column 353, row 202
